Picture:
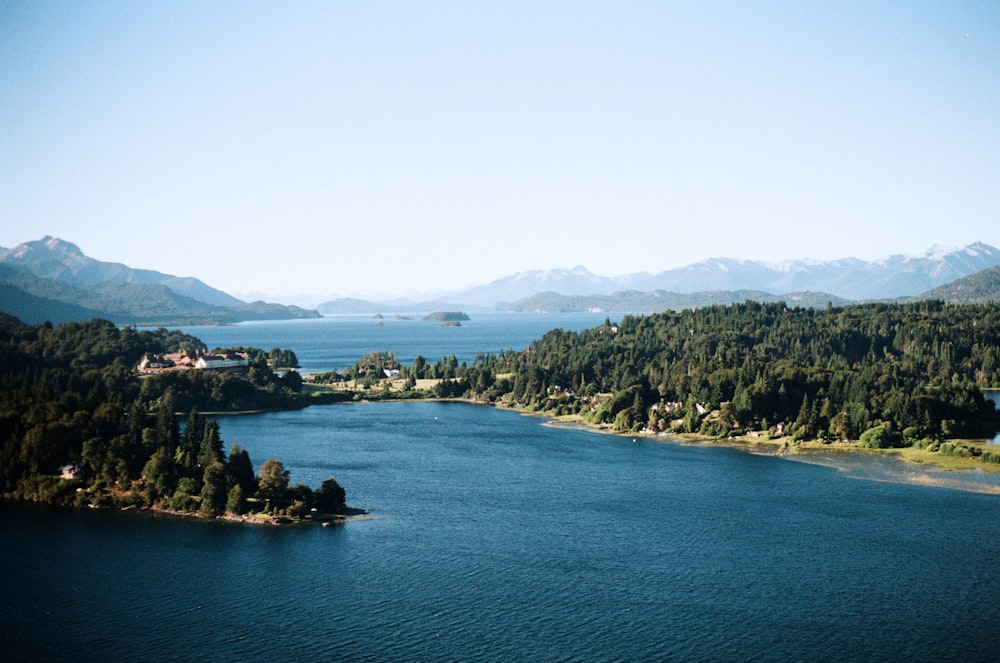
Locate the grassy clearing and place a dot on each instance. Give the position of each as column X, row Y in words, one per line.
column 946, row 462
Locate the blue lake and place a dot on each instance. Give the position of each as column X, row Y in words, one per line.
column 337, row 342
column 494, row 536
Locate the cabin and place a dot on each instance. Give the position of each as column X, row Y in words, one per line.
column 151, row 363
column 69, row 472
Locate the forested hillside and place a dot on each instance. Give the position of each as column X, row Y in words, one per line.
column 77, row 426
column 983, row 287
column 912, row 370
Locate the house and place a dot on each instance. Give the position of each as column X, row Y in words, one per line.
column 151, row 363
column 69, row 471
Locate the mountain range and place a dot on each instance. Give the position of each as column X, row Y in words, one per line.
column 51, row 279
column 849, row 278
column 807, row 282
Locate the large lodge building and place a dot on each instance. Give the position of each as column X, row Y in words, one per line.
column 152, row 363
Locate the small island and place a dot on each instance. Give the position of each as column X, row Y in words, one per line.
column 446, row 316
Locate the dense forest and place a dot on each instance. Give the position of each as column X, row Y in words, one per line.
column 78, row 426
column 912, row 370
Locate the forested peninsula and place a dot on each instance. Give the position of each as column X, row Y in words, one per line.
column 884, row 375
column 79, row 426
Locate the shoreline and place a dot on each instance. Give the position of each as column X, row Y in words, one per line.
column 811, row 451
column 756, row 444
column 905, row 465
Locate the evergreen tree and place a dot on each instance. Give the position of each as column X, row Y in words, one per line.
column 213, row 491
column 211, row 445
column 236, row 501
column 240, row 470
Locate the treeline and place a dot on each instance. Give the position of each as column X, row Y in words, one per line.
column 913, row 370
column 831, row 374
column 372, row 370
column 823, row 373
column 70, row 399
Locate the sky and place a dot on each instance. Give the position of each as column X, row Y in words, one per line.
column 352, row 148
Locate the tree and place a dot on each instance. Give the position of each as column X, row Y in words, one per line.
column 236, row 502
column 241, row 470
column 213, row 491
column 880, row 437
column 274, row 479
column 331, row 497
column 292, row 381
column 167, row 433
column 211, row 445
column 158, row 476
column 194, row 430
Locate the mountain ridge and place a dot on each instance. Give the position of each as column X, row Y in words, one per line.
column 889, row 277
column 59, row 260
column 54, row 277
column 53, row 280
column 801, row 281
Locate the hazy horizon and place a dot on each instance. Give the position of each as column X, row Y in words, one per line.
column 365, row 148
column 312, row 299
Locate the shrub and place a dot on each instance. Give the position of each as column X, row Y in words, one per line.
column 880, row 437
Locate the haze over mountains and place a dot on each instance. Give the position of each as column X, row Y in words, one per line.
column 809, row 282
column 52, row 279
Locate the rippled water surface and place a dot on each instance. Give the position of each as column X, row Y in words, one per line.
column 494, row 537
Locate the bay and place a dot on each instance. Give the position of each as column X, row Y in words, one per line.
column 495, row 536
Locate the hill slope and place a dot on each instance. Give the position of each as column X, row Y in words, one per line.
column 983, row 287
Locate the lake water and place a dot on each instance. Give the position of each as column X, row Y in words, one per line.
column 337, row 342
column 496, row 537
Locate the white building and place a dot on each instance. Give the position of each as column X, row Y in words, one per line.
column 222, row 361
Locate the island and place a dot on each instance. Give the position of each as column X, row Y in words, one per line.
column 446, row 316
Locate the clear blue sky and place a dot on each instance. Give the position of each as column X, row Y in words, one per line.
column 360, row 147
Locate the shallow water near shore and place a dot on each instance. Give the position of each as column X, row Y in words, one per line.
column 495, row 537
